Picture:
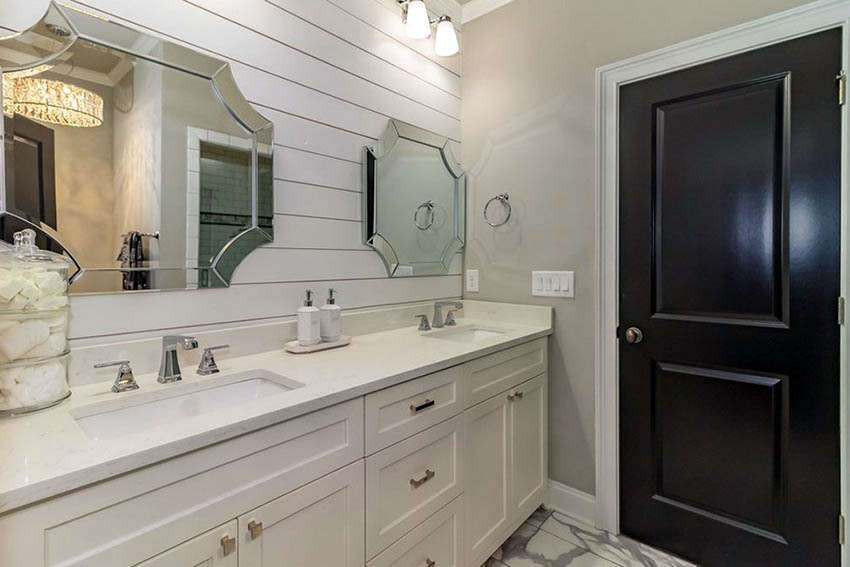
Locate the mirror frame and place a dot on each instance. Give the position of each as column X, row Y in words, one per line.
column 396, row 130
column 73, row 24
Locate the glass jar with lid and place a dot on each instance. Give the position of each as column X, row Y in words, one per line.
column 33, row 326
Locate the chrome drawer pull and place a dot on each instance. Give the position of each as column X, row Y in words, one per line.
column 228, row 544
column 417, row 482
column 423, row 406
column 429, row 562
column 255, row 529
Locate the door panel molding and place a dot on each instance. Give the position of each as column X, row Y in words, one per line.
column 807, row 19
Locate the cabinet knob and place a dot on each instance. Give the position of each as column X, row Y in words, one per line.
column 255, row 529
column 228, row 544
column 515, row 396
column 417, row 482
column 430, row 562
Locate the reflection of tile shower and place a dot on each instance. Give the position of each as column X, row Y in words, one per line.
column 225, row 204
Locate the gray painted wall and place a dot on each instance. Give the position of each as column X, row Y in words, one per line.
column 528, row 128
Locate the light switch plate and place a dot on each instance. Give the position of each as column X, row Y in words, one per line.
column 553, row 284
column 472, row 281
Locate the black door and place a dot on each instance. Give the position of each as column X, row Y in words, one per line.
column 729, row 265
column 32, row 192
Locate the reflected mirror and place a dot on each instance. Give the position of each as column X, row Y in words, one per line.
column 138, row 158
column 414, row 197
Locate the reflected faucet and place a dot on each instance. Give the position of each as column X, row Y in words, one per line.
column 169, row 367
column 438, row 322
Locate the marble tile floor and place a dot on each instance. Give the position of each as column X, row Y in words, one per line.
column 550, row 539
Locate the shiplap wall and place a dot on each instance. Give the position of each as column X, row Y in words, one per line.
column 329, row 74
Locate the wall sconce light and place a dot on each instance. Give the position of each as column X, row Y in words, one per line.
column 417, row 25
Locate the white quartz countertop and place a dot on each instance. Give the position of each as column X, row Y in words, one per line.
column 46, row 453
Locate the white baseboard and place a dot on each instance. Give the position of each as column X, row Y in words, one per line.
column 572, row 502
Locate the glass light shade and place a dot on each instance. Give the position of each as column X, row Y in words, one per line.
column 418, row 24
column 445, row 44
column 52, row 101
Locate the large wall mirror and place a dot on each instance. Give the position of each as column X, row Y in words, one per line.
column 414, row 201
column 138, row 158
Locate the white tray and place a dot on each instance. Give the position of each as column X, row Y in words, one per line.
column 296, row 348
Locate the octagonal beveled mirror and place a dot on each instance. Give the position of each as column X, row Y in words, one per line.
column 414, row 201
column 137, row 157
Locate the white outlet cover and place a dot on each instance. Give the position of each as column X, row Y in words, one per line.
column 472, row 281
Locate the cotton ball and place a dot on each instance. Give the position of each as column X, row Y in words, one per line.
column 10, row 286
column 50, row 283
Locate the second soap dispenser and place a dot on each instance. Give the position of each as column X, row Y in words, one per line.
column 308, row 323
column 331, row 325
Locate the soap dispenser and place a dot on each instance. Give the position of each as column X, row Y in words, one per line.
column 330, row 317
column 308, row 323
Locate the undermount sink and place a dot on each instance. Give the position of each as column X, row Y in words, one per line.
column 119, row 417
column 465, row 334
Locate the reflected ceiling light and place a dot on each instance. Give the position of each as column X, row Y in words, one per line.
column 49, row 100
column 417, row 25
column 445, row 44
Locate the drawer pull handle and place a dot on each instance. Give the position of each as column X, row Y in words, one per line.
column 430, row 562
column 228, row 544
column 417, row 482
column 515, row 396
column 255, row 529
column 423, row 406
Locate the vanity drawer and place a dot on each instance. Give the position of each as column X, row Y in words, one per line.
column 437, row 541
column 487, row 376
column 411, row 480
column 149, row 510
column 397, row 413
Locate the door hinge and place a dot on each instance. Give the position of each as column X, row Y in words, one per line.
column 841, row 528
column 841, row 79
column 840, row 310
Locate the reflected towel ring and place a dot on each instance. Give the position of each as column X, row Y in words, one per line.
column 505, row 200
column 429, row 205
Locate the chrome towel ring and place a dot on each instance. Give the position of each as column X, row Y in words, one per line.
column 429, row 207
column 505, row 201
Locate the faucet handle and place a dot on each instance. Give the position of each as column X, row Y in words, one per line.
column 124, row 380
column 424, row 325
column 208, row 364
column 450, row 318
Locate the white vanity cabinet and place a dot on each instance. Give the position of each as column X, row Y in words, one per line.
column 436, row 471
column 501, row 470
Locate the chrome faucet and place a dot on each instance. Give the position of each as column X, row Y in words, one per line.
column 169, row 367
column 438, row 321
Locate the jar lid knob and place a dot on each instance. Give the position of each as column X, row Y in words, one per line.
column 24, row 238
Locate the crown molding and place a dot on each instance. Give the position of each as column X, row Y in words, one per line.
column 477, row 8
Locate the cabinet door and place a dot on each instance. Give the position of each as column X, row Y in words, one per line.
column 529, row 446
column 322, row 523
column 215, row 548
column 486, row 460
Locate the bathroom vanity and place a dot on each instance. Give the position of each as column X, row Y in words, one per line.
column 407, row 448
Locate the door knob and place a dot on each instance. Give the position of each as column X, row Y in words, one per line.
column 634, row 335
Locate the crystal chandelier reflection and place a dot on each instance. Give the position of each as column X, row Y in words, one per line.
column 49, row 100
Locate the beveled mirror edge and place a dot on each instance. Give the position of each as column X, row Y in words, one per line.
column 395, row 130
column 218, row 72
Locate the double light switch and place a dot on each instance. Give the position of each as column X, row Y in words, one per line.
column 553, row 284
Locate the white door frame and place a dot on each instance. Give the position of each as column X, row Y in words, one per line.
column 804, row 20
